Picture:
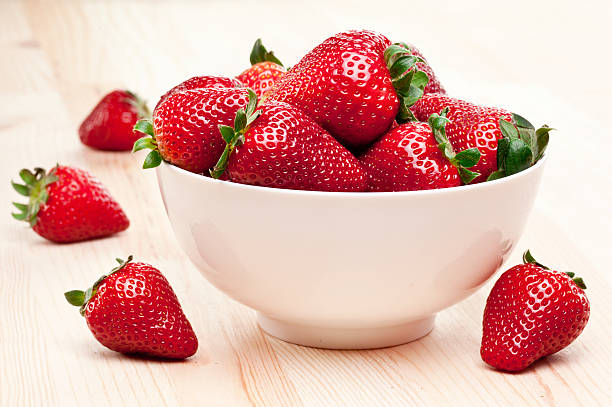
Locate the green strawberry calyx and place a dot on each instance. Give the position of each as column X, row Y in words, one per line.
column 234, row 136
column 139, row 104
column 521, row 146
column 80, row 298
column 259, row 53
column 461, row 160
column 409, row 82
column 35, row 188
column 529, row 259
column 154, row 158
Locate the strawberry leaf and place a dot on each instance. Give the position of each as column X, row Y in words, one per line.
column 408, row 81
column 47, row 179
column 579, row 282
column 521, row 146
column 529, row 259
column 518, row 158
column 542, row 137
column 227, row 133
column 529, row 137
column 497, row 175
column 417, row 87
column 144, row 143
column 27, row 176
column 144, row 126
column 75, row 297
column 520, row 121
column 252, row 105
column 19, row 216
column 508, row 129
column 251, row 118
column 240, row 120
column 259, row 53
column 466, row 175
column 468, row 158
column 20, row 206
column 21, row 189
column 503, row 145
column 153, row 159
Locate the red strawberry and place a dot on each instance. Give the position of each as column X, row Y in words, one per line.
column 415, row 156
column 531, row 312
column 134, row 310
column 110, row 124
column 434, row 85
column 482, row 127
column 68, row 205
column 353, row 85
column 201, row 82
column 185, row 129
column 265, row 70
column 284, row 148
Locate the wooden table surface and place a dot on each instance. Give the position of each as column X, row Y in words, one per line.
column 547, row 61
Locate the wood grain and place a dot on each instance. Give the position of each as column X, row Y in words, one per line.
column 59, row 57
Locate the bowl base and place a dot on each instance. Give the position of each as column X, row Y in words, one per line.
column 346, row 338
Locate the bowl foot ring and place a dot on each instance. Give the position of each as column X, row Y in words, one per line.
column 346, row 338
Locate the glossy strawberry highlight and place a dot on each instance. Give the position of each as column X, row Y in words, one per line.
column 351, row 87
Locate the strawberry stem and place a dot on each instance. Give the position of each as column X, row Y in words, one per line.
column 462, row 160
column 409, row 82
column 234, row 136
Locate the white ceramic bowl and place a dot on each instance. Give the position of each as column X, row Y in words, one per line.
column 347, row 270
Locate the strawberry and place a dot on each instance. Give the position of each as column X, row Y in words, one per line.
column 265, row 70
column 532, row 312
column 134, row 310
column 353, row 85
column 484, row 127
column 416, row 156
column 281, row 147
column 201, row 82
column 110, row 124
column 434, row 85
column 184, row 131
column 68, row 204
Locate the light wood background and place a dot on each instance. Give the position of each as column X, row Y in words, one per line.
column 548, row 61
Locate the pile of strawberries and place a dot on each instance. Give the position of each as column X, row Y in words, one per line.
column 357, row 113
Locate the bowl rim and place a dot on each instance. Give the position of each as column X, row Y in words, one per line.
column 359, row 195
